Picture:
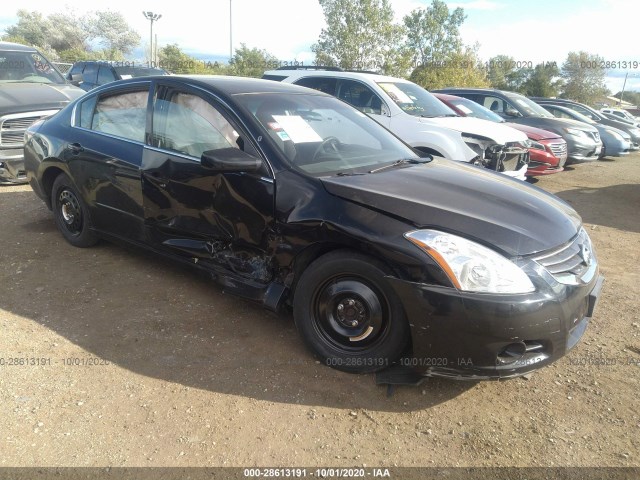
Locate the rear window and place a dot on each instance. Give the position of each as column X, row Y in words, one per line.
column 130, row 72
column 277, row 78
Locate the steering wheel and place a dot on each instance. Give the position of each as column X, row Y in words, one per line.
column 330, row 145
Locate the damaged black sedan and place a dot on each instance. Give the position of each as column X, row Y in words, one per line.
column 288, row 196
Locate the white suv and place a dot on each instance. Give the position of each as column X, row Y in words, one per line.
column 417, row 117
column 622, row 114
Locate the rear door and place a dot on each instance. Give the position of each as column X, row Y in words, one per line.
column 190, row 209
column 106, row 154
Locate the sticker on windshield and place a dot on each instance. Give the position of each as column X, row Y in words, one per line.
column 297, row 129
column 395, row 93
column 126, row 77
column 283, row 135
column 464, row 108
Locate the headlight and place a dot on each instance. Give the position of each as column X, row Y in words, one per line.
column 469, row 265
column 614, row 134
column 575, row 131
column 536, row 145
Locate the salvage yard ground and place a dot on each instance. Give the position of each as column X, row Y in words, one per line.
column 113, row 357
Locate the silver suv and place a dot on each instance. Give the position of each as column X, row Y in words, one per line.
column 417, row 117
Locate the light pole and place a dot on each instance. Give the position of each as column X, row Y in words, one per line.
column 152, row 17
column 230, row 32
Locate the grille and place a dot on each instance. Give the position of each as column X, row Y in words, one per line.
column 570, row 262
column 559, row 150
column 12, row 127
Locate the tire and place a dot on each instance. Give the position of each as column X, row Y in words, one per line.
column 349, row 315
column 71, row 213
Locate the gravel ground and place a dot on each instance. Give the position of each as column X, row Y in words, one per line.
column 123, row 359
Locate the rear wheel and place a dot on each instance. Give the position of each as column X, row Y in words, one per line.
column 71, row 213
column 349, row 315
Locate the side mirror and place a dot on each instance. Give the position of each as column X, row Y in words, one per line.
column 230, row 160
column 76, row 78
column 511, row 112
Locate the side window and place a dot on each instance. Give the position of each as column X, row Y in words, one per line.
column 494, row 104
column 190, row 125
column 323, row 84
column 123, row 115
column 90, row 73
column 84, row 114
column 105, row 75
column 77, row 68
column 360, row 96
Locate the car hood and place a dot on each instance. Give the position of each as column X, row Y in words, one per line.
column 484, row 128
column 577, row 124
column 26, row 97
column 532, row 132
column 516, row 218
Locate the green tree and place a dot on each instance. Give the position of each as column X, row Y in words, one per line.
column 543, row 81
column 65, row 35
column 503, row 73
column 461, row 69
column 111, row 30
column 433, row 34
column 252, row 62
column 360, row 34
column 583, row 77
column 173, row 59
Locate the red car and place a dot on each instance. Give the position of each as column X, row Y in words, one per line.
column 548, row 153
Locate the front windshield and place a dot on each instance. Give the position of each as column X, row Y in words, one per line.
column 473, row 109
column 577, row 116
column 27, row 67
column 323, row 135
column 415, row 100
column 528, row 107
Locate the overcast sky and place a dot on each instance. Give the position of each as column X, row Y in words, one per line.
column 528, row 30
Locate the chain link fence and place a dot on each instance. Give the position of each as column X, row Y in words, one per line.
column 62, row 66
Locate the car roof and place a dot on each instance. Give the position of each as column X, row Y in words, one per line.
column 116, row 63
column 226, row 85
column 322, row 72
column 16, row 47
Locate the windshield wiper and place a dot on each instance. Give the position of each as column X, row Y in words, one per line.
column 348, row 174
column 402, row 161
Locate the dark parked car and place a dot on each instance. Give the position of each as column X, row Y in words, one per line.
column 30, row 88
column 615, row 143
column 548, row 150
column 595, row 115
column 287, row 196
column 583, row 141
column 89, row 75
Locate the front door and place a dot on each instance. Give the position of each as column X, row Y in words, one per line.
column 192, row 210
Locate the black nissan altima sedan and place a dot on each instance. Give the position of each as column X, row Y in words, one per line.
column 290, row 197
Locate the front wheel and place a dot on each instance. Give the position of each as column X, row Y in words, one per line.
column 71, row 213
column 349, row 315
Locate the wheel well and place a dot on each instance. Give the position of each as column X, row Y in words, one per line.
column 48, row 177
column 430, row 151
column 311, row 254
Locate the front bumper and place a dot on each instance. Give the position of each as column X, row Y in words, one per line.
column 12, row 167
column 544, row 163
column 617, row 148
column 463, row 335
column 584, row 151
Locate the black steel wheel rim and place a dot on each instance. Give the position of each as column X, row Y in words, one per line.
column 350, row 314
column 70, row 212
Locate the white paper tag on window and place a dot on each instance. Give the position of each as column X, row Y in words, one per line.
column 297, row 128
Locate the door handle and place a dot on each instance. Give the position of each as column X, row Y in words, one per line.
column 75, row 148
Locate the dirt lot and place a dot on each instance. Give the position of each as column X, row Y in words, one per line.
column 144, row 363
